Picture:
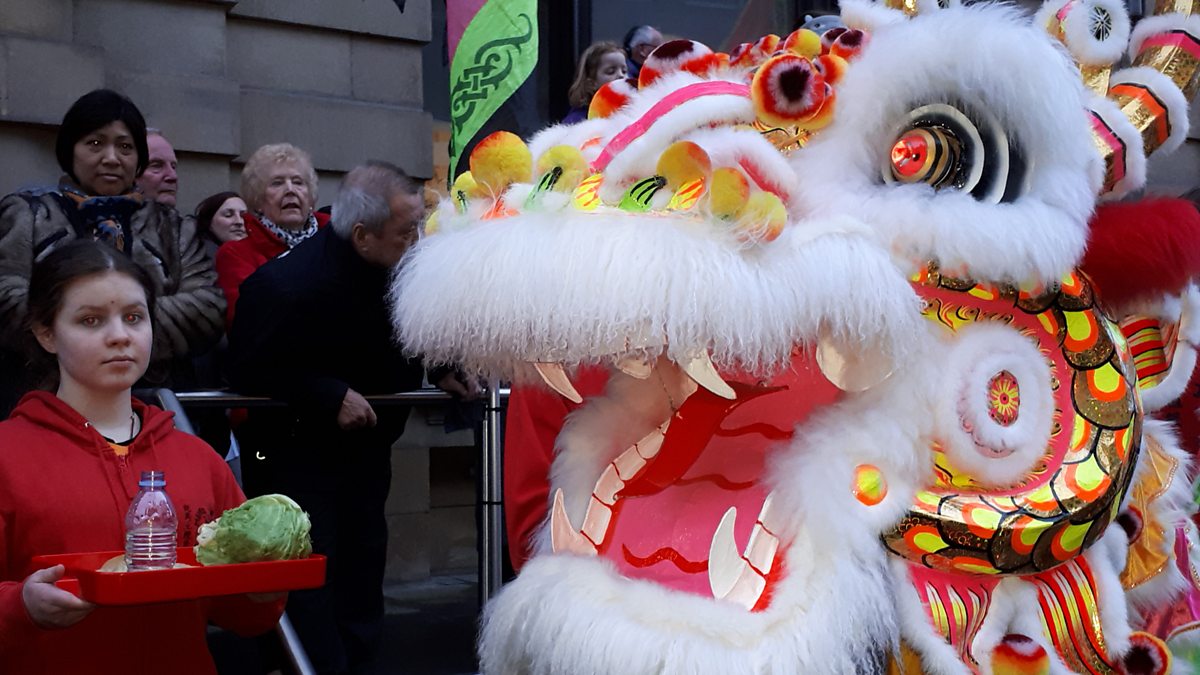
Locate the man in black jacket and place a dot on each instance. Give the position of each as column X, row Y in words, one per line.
column 313, row 329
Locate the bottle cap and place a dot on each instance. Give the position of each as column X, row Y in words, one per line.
column 153, row 479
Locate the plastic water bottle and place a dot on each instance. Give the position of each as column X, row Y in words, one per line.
column 150, row 526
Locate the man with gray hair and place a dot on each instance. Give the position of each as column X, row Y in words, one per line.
column 639, row 42
column 312, row 328
column 160, row 181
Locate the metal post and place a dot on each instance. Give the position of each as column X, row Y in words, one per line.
column 292, row 648
column 491, row 488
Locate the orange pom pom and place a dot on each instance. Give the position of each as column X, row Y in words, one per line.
column 673, row 56
column 849, row 44
column 500, row 160
column 823, row 116
column 829, row 36
column 741, row 55
column 787, row 89
column 802, row 42
column 1019, row 655
column 831, row 67
column 704, row 64
column 767, row 45
column 611, row 98
column 750, row 55
column 1147, row 655
column 763, row 218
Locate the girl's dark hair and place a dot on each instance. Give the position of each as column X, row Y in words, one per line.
column 584, row 87
column 54, row 274
column 208, row 208
column 93, row 111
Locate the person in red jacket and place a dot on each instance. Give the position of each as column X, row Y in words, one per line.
column 69, row 464
column 533, row 421
column 280, row 187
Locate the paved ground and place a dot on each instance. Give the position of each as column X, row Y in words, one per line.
column 429, row 630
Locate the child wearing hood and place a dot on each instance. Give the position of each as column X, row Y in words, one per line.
column 70, row 459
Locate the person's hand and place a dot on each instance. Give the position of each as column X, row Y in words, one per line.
column 48, row 605
column 453, row 383
column 355, row 412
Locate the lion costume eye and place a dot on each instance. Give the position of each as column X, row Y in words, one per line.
column 946, row 148
column 926, row 155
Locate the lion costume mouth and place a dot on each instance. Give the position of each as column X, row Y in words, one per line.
column 703, row 472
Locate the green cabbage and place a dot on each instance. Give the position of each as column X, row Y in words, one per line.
column 270, row 527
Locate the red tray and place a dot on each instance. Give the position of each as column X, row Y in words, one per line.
column 84, row 579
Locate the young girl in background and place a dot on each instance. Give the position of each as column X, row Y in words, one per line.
column 600, row 64
column 70, row 463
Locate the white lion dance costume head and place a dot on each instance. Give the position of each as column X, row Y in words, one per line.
column 865, row 415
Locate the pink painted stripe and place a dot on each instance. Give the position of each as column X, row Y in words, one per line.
column 1113, row 141
column 459, row 14
column 673, row 100
column 1181, row 40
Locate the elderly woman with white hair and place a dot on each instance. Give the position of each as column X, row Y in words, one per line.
column 279, row 185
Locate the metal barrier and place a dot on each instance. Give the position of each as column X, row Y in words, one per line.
column 489, row 492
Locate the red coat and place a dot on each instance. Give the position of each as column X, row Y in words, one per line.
column 535, row 417
column 237, row 260
column 65, row 491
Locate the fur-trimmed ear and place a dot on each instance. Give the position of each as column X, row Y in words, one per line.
column 1144, row 249
column 1076, row 22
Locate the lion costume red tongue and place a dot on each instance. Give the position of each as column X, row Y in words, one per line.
column 712, row 459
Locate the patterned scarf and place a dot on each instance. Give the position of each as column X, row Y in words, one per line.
column 290, row 238
column 105, row 219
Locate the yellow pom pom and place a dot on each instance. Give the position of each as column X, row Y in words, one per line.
column 764, row 217
column 567, row 158
column 803, row 42
column 728, row 194
column 500, row 160
column 683, row 162
column 431, row 223
column 465, row 183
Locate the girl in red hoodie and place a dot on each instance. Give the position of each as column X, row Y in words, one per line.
column 69, row 464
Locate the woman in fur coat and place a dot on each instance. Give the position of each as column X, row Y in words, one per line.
column 101, row 148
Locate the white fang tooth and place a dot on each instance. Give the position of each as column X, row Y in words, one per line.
column 628, row 463
column 563, row 536
column 556, row 378
column 725, row 563
column 704, row 373
column 852, row 371
column 609, row 485
column 649, row 446
column 634, row 366
column 730, row 577
column 748, row 590
column 761, row 549
column 595, row 523
column 768, row 514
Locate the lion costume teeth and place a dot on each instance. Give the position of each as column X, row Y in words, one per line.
column 864, row 412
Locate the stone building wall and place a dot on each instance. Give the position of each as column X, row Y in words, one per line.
column 340, row 78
